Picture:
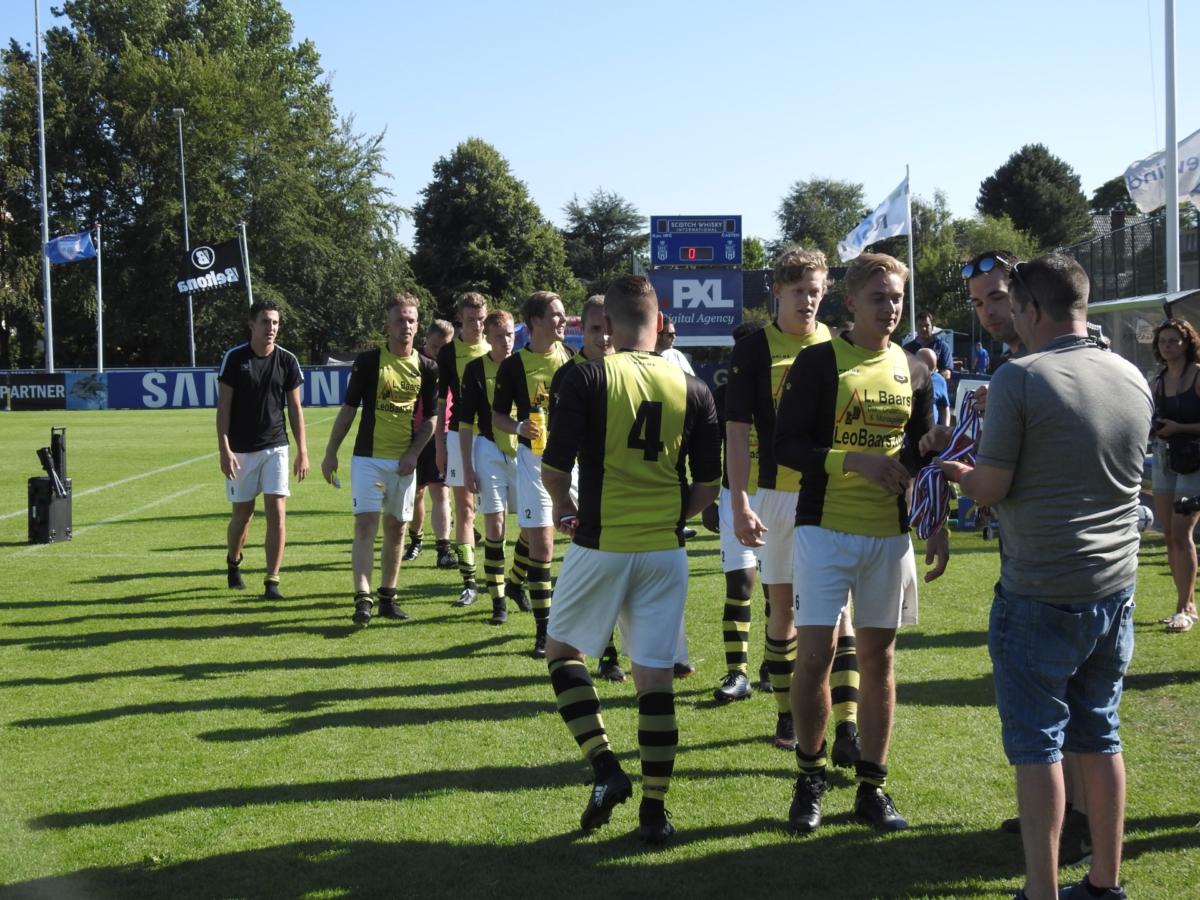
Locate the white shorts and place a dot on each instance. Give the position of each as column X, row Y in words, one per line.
column 777, row 510
column 497, row 477
column 735, row 555
column 534, row 509
column 259, row 472
column 454, row 470
column 376, row 485
column 645, row 592
column 881, row 571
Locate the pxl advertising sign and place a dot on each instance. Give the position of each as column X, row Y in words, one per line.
column 705, row 304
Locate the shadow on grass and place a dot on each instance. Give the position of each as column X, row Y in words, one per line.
column 304, row 701
column 838, row 863
column 977, row 691
column 204, row 671
column 216, row 516
column 215, row 572
column 56, row 601
column 184, row 612
column 923, row 640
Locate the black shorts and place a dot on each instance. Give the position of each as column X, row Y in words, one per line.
column 427, row 470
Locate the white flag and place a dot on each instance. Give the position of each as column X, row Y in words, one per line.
column 1146, row 179
column 889, row 219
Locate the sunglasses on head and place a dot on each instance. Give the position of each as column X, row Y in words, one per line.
column 983, row 264
column 1015, row 272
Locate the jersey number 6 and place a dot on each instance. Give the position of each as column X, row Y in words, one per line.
column 646, row 433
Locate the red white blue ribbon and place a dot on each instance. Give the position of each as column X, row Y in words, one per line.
column 931, row 494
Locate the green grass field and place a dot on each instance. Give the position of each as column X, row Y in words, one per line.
column 161, row 736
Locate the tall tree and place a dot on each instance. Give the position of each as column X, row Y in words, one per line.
column 1112, row 195
column 1041, row 194
column 264, row 145
column 820, row 212
column 478, row 229
column 603, row 233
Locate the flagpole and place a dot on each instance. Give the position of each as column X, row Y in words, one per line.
column 99, row 307
column 912, row 270
column 49, row 332
column 187, row 243
column 244, row 244
column 1171, row 213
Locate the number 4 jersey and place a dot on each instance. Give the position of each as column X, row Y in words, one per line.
column 633, row 419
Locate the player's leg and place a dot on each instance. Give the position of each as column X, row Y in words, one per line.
column 843, row 690
column 652, row 617
column 777, row 510
column 398, row 501
column 416, row 528
column 439, row 500
column 235, row 541
column 591, row 587
column 275, row 508
column 492, row 473
column 739, row 565
column 541, row 552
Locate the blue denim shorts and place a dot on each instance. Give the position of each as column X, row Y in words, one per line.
column 1059, row 670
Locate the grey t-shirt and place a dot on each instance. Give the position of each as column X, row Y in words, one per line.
column 1071, row 422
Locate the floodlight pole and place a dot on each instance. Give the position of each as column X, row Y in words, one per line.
column 48, row 337
column 1171, row 213
column 187, row 244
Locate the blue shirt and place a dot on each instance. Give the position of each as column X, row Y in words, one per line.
column 941, row 397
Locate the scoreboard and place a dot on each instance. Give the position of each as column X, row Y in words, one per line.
column 707, row 241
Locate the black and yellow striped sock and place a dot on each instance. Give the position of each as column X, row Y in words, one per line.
column 781, row 660
column 843, row 681
column 466, row 563
column 736, row 622
column 814, row 764
column 493, row 567
column 519, row 573
column 579, row 705
column 869, row 773
column 414, row 537
column 658, row 737
column 539, row 593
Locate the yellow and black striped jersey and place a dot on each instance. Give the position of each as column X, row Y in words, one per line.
column 451, row 361
column 841, row 398
column 752, row 474
column 524, row 381
column 633, row 419
column 389, row 387
column 474, row 407
column 757, row 371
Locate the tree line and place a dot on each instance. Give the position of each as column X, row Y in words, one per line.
column 265, row 145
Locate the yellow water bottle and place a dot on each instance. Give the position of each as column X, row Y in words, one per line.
column 538, row 418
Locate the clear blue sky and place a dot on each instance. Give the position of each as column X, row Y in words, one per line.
column 705, row 107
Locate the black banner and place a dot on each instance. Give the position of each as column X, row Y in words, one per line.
column 32, row 391
column 210, row 267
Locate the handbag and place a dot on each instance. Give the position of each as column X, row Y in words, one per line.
column 1183, row 455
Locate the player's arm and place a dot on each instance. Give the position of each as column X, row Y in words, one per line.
column 562, row 446
column 921, row 416
column 739, row 419
column 229, row 463
column 805, row 409
column 703, row 448
column 337, row 434
column 504, row 398
column 990, row 479
column 296, row 418
column 355, row 389
column 447, row 376
column 421, row 436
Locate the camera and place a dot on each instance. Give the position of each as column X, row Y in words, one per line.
column 1185, row 506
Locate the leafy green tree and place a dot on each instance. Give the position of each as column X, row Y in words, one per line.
column 1041, row 194
column 478, row 229
column 1112, row 195
column 264, row 145
column 754, row 253
column 818, row 213
column 982, row 233
column 603, row 234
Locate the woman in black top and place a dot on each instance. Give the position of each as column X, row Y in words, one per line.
column 1177, row 457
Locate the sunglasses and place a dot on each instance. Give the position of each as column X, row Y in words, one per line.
column 981, row 265
column 1015, row 272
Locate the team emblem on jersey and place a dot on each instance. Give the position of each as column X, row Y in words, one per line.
column 901, row 377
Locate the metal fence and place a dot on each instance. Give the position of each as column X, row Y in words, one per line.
column 1127, row 258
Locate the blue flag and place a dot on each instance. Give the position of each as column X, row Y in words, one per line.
column 71, row 248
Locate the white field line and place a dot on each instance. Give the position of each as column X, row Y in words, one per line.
column 159, row 471
column 161, row 501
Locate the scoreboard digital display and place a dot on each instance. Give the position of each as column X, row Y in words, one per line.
column 695, row 240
